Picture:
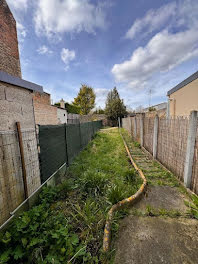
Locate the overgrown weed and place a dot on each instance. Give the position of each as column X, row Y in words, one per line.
column 67, row 225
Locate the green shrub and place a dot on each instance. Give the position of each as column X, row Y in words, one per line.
column 92, row 182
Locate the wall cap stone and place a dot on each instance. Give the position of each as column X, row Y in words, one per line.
column 7, row 78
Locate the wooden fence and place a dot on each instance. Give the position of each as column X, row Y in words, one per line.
column 171, row 141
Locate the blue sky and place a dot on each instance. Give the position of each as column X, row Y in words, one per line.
column 137, row 46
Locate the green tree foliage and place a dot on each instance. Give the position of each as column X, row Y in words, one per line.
column 99, row 111
column 85, row 99
column 72, row 109
column 114, row 106
column 151, row 109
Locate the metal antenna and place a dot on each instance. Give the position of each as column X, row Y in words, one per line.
column 150, row 96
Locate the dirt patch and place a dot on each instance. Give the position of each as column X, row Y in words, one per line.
column 162, row 197
column 157, row 240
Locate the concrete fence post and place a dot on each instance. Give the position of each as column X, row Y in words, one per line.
column 119, row 122
column 131, row 132
column 135, row 128
column 142, row 130
column 155, row 136
column 190, row 148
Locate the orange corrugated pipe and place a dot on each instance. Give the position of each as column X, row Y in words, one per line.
column 115, row 207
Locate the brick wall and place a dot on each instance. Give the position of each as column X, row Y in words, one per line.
column 16, row 106
column 9, row 54
column 42, row 98
column 45, row 113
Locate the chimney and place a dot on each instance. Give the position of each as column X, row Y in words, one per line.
column 62, row 103
column 9, row 53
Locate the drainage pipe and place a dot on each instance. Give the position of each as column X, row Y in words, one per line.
column 119, row 205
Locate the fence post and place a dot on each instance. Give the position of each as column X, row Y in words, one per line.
column 155, row 136
column 119, row 123
column 190, row 148
column 66, row 146
column 142, row 130
column 135, row 128
column 80, row 134
column 131, row 126
column 22, row 159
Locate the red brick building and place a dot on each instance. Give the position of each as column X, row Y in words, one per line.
column 9, row 53
column 45, row 113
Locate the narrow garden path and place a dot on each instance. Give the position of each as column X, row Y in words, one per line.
column 67, row 224
column 160, row 228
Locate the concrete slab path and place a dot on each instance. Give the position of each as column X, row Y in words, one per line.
column 159, row 228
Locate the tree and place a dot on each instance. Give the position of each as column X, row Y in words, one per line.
column 151, row 109
column 72, row 109
column 99, row 111
column 114, row 106
column 85, row 99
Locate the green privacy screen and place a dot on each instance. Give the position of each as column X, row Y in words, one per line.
column 60, row 144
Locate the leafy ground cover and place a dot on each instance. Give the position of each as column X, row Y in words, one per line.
column 67, row 225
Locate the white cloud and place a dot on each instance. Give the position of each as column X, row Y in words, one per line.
column 170, row 16
column 44, row 50
column 154, row 19
column 17, row 8
column 17, row 4
column 22, row 32
column 67, row 56
column 101, row 95
column 54, row 17
column 164, row 51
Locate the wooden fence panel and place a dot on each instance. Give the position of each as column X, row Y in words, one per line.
column 194, row 184
column 138, row 119
column 148, row 133
column 126, row 123
column 172, row 144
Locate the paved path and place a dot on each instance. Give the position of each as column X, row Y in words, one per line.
column 159, row 228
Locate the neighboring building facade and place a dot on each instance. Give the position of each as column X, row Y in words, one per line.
column 16, row 105
column 45, row 113
column 9, row 53
column 157, row 107
column 183, row 98
column 62, row 115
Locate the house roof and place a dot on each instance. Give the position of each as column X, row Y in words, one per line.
column 157, row 106
column 7, row 78
column 191, row 78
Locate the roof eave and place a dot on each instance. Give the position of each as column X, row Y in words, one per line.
column 190, row 79
column 7, row 78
